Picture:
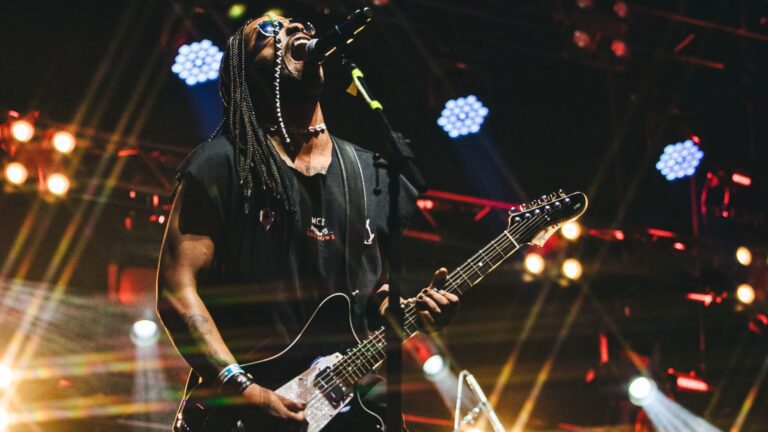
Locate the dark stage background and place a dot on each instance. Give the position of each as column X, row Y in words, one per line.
column 78, row 271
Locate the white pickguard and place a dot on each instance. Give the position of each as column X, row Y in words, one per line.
column 319, row 410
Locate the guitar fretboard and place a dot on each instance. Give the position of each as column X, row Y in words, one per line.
column 369, row 353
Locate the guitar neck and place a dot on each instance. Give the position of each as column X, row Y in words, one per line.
column 363, row 358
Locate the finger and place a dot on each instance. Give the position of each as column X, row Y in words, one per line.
column 426, row 318
column 291, row 405
column 425, row 303
column 453, row 298
column 437, row 297
column 438, row 279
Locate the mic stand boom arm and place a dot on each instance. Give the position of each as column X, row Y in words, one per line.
column 400, row 161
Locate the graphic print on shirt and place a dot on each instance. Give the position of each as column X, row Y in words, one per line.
column 319, row 231
column 370, row 234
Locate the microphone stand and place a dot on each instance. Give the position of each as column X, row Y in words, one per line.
column 401, row 161
column 482, row 406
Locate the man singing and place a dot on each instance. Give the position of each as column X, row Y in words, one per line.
column 260, row 231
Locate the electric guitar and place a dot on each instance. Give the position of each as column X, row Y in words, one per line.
column 312, row 369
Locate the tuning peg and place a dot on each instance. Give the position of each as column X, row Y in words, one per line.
column 512, row 210
column 561, row 193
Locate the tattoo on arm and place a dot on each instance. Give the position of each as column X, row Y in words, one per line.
column 199, row 325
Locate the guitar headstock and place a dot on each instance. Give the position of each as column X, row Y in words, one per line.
column 536, row 221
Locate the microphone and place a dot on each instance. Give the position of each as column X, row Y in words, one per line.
column 317, row 50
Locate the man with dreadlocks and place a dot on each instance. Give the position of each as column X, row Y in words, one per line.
column 259, row 232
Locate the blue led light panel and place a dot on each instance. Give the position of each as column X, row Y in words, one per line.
column 462, row 116
column 679, row 160
column 198, row 62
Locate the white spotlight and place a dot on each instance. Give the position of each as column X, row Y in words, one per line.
column 58, row 184
column 434, row 365
column 744, row 256
column 22, row 130
column 745, row 293
column 534, row 263
column 571, row 230
column 641, row 390
column 144, row 332
column 64, row 142
column 16, row 173
column 572, row 269
column 6, row 376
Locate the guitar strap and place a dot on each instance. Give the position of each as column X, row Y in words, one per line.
column 356, row 209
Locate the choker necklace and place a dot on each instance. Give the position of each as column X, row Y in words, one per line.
column 312, row 130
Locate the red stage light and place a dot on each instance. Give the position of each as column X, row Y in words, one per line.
column 707, row 299
column 619, row 234
column 603, row 349
column 590, row 376
column 619, row 48
column 621, row 9
column 741, row 179
column 692, row 384
column 661, row 233
column 132, row 194
column 679, row 246
column 155, row 200
column 696, row 140
column 581, row 39
column 425, row 204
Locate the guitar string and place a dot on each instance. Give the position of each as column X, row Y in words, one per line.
column 357, row 357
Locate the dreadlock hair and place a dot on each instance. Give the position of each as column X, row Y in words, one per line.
column 251, row 145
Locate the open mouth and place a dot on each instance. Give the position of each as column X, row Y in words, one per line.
column 298, row 48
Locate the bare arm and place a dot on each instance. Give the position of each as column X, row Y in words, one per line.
column 185, row 257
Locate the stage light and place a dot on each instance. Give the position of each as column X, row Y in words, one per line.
column 425, row 204
column 621, row 9
column 745, row 293
column 198, row 62
column 585, row 4
column 619, row 48
column 679, row 160
column 641, row 390
column 581, row 39
column 691, row 384
column 58, row 184
column 64, row 142
column 741, row 179
column 6, row 376
column 571, row 230
column 462, row 116
column 534, row 263
column 22, row 130
column 16, row 173
column 572, row 269
column 144, row 332
column 434, row 365
column 237, row 10
column 744, row 256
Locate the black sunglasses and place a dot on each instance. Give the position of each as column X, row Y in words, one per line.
column 270, row 27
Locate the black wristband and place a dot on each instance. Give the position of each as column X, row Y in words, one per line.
column 237, row 383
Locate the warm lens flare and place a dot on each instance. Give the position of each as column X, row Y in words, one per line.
column 58, row 184
column 571, row 230
column 534, row 263
column 16, row 173
column 572, row 268
column 6, row 376
column 744, row 256
column 745, row 293
column 64, row 142
column 22, row 130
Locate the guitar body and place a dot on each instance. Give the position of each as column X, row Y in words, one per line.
column 292, row 374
